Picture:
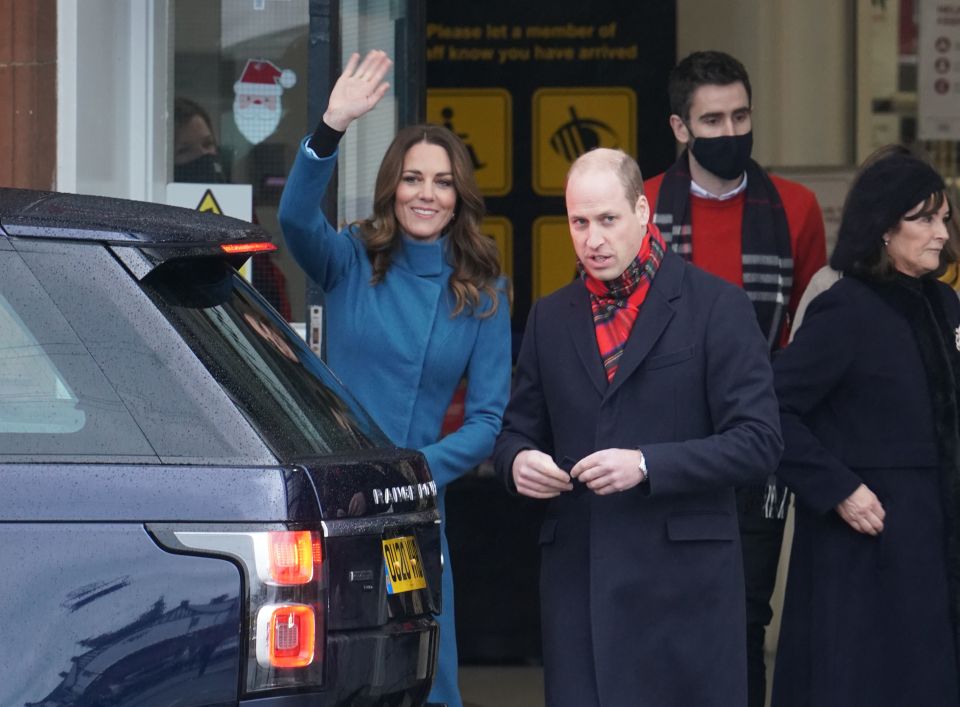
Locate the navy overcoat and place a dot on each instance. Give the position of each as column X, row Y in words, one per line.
column 642, row 591
column 866, row 619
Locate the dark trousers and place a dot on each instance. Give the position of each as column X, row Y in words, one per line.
column 761, row 539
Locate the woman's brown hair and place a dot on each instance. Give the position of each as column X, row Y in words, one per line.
column 476, row 263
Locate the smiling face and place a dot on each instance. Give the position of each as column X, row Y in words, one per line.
column 914, row 247
column 426, row 196
column 607, row 230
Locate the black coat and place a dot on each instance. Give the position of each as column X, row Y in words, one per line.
column 866, row 619
column 642, row 591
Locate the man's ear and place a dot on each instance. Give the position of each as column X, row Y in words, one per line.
column 642, row 209
column 679, row 129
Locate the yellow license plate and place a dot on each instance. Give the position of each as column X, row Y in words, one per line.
column 402, row 561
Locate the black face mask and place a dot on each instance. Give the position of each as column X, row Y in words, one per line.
column 725, row 156
column 206, row 168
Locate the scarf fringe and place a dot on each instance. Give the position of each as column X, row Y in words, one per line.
column 775, row 499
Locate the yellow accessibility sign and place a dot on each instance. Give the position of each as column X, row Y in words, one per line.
column 482, row 118
column 570, row 121
column 554, row 260
column 501, row 231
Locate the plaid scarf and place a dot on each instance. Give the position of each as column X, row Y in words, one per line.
column 767, row 255
column 616, row 303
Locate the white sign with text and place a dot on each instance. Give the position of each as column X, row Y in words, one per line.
column 938, row 70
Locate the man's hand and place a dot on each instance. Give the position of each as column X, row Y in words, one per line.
column 537, row 476
column 863, row 511
column 609, row 470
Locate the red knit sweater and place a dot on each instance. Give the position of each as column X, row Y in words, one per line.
column 717, row 234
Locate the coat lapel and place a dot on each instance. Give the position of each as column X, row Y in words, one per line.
column 580, row 325
column 652, row 319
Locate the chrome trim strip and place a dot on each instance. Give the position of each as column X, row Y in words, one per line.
column 374, row 525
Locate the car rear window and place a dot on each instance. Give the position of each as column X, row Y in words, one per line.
column 90, row 371
column 289, row 396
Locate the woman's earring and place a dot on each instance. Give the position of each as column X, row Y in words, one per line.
column 886, row 241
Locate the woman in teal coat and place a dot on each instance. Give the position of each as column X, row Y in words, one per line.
column 414, row 297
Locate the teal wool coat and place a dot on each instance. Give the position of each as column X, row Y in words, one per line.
column 398, row 350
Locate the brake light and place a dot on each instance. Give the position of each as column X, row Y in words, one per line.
column 286, row 636
column 286, row 599
column 256, row 247
column 291, row 556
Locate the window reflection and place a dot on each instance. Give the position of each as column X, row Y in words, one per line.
column 239, row 108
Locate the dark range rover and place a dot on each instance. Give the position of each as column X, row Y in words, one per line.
column 193, row 511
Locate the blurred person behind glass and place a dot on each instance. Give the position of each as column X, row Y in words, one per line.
column 196, row 154
column 198, row 158
column 868, row 399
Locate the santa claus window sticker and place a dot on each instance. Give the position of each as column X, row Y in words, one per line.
column 256, row 104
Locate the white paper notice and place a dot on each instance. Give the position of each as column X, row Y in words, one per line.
column 938, row 77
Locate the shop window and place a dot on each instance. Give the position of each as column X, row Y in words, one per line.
column 238, row 112
column 366, row 25
column 239, row 109
column 909, row 80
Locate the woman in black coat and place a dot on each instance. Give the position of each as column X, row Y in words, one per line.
column 868, row 399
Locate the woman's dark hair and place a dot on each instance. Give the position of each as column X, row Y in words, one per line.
column 699, row 69
column 476, row 263
column 891, row 184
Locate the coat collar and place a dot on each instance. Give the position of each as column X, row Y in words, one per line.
column 653, row 317
column 423, row 259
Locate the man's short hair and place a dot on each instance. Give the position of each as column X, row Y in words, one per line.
column 622, row 164
column 699, row 69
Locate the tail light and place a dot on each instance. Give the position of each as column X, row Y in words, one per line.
column 291, row 556
column 286, row 605
column 285, row 636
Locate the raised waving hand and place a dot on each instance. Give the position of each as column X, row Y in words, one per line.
column 359, row 88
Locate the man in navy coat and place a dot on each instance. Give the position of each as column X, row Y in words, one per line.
column 643, row 395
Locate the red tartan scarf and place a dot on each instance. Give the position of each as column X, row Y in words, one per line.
column 616, row 303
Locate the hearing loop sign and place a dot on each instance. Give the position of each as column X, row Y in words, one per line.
column 570, row 121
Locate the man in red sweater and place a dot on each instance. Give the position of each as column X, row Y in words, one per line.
column 719, row 209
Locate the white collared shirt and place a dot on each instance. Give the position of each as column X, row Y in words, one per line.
column 697, row 190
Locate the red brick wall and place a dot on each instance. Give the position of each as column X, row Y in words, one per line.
column 28, row 93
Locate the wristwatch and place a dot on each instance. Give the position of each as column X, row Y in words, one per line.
column 643, row 467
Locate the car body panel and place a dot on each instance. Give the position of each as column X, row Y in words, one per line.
column 97, row 614
column 158, row 493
